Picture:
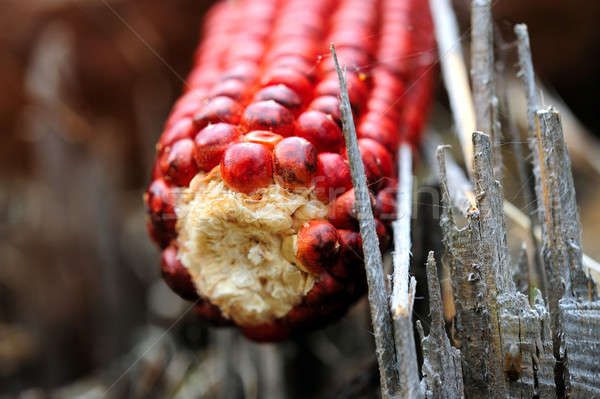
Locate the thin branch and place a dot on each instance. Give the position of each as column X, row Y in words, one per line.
column 378, row 301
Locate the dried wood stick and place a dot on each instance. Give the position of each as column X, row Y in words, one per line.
column 404, row 286
column 401, row 226
column 378, row 301
column 527, row 74
column 533, row 269
column 483, row 77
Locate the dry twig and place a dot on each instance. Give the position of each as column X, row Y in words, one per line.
column 378, row 301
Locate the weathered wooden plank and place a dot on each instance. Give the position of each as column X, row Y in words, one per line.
column 581, row 327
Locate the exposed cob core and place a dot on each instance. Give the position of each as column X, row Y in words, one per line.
column 233, row 247
column 252, row 196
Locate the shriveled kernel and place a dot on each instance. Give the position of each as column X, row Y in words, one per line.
column 294, row 163
column 320, row 130
column 302, row 314
column 178, row 162
column 268, row 115
column 246, row 167
column 211, row 143
column 317, row 245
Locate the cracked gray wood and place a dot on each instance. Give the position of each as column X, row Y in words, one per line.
column 442, row 370
column 523, row 334
column 377, row 294
column 470, row 253
column 569, row 286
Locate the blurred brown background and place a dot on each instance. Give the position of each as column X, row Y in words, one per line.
column 85, row 86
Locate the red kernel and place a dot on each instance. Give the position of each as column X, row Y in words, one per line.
column 385, row 206
column 320, row 130
column 282, row 95
column 291, row 78
column 160, row 207
column 211, row 143
column 218, row 109
column 268, row 115
column 232, row 88
column 351, row 260
column 317, row 245
column 183, row 129
column 176, row 275
column 329, row 105
column 381, row 130
column 246, row 167
column 324, row 289
column 294, row 163
column 341, row 211
column 274, row 331
column 178, row 163
column 333, row 176
column 377, row 161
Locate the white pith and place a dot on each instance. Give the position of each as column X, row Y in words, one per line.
column 240, row 249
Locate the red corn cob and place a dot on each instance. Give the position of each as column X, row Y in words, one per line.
column 251, row 198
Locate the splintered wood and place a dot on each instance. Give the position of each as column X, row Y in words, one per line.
column 511, row 344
